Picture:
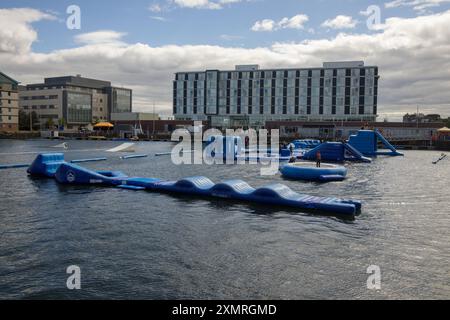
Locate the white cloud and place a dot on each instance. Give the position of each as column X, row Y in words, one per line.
column 16, row 33
column 198, row 4
column 340, row 22
column 100, row 37
column 155, row 7
column 228, row 37
column 264, row 25
column 418, row 5
column 158, row 18
column 412, row 54
column 169, row 5
column 296, row 22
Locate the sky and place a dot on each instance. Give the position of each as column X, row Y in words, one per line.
column 141, row 44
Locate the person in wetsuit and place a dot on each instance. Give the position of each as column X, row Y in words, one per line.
column 318, row 159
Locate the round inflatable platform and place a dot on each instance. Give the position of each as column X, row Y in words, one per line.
column 308, row 171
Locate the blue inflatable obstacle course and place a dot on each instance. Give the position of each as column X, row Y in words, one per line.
column 52, row 165
column 309, row 172
column 335, row 152
column 366, row 142
column 306, row 144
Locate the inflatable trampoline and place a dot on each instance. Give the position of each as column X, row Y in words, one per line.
column 309, row 172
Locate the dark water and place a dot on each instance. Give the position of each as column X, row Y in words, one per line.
column 139, row 245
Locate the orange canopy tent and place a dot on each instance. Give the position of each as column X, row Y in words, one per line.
column 103, row 125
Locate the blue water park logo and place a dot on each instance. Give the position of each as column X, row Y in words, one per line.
column 241, row 147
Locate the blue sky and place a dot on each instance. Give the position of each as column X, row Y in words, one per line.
column 229, row 26
column 127, row 43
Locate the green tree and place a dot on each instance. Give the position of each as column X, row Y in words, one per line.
column 62, row 122
column 50, row 124
column 34, row 121
column 24, row 121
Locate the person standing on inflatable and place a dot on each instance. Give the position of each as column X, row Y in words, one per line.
column 318, row 159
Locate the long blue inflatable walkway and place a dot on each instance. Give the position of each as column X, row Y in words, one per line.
column 54, row 166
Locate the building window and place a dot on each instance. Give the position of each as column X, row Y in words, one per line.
column 121, row 100
column 347, row 109
column 79, row 108
column 361, row 109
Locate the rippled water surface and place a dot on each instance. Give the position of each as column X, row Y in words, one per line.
column 140, row 245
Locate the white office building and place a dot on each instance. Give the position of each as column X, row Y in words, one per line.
column 249, row 96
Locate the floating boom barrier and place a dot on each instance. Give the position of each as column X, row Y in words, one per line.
column 89, row 160
column 134, row 156
column 13, row 166
column 54, row 166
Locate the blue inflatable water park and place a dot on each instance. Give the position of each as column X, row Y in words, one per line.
column 359, row 147
column 54, row 166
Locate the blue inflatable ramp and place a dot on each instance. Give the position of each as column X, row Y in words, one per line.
column 335, row 152
column 46, row 164
column 366, row 142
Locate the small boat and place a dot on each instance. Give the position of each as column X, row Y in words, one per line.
column 310, row 172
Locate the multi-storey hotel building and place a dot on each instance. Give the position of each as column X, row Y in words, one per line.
column 248, row 96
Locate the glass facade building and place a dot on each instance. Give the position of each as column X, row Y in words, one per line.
column 247, row 95
column 78, row 108
column 74, row 100
column 121, row 100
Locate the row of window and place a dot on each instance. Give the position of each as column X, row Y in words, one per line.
column 8, row 92
column 361, row 109
column 280, row 83
column 39, row 98
column 281, row 74
column 42, row 107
